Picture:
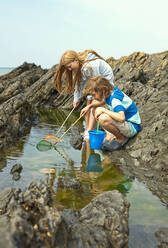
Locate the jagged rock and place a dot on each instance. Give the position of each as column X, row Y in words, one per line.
column 16, row 176
column 15, row 171
column 19, row 80
column 143, row 77
column 162, row 236
column 16, row 168
column 5, row 197
column 69, row 183
column 23, row 89
column 76, row 139
column 28, row 220
column 102, row 223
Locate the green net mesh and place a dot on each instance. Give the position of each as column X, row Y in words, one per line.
column 44, row 145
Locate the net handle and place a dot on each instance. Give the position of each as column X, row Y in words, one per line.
column 65, row 121
column 70, row 127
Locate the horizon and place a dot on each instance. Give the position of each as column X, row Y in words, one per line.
column 13, row 67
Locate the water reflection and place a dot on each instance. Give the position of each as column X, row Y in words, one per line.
column 91, row 163
column 95, row 170
column 97, row 174
column 103, row 174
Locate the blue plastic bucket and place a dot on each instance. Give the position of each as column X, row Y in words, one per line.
column 96, row 139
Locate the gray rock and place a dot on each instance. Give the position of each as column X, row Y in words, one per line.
column 28, row 220
column 16, row 168
column 76, row 138
column 162, row 236
column 16, row 176
column 69, row 183
column 142, row 76
column 5, row 197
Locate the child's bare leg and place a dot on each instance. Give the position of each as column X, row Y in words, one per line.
column 92, row 120
column 107, row 123
column 109, row 136
column 115, row 131
column 87, row 116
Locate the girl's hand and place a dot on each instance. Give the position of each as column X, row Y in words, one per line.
column 75, row 104
column 84, row 110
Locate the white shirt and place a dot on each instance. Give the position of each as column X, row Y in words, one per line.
column 90, row 69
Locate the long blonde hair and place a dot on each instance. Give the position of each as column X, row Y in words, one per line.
column 71, row 78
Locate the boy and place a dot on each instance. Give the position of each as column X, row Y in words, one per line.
column 120, row 119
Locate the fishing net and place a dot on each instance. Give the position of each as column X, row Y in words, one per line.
column 44, row 145
column 47, row 143
column 52, row 139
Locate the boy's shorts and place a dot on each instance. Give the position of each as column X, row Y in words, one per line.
column 126, row 128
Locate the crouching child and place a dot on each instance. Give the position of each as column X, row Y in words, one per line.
column 121, row 119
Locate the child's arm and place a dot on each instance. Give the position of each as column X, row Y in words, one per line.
column 118, row 116
column 94, row 103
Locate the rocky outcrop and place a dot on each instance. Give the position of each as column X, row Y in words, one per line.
column 23, row 89
column 162, row 236
column 18, row 80
column 69, row 183
column 28, row 220
column 143, row 77
column 76, row 138
column 15, row 117
column 16, row 170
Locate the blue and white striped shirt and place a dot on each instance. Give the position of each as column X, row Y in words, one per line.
column 119, row 101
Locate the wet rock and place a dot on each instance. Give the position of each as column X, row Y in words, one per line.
column 145, row 83
column 16, row 176
column 5, row 238
column 19, row 80
column 149, row 175
column 16, row 168
column 102, row 223
column 142, row 76
column 20, row 92
column 69, row 183
column 15, row 171
column 76, row 139
column 28, row 220
column 5, row 197
column 162, row 236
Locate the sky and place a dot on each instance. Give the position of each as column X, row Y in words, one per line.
column 40, row 31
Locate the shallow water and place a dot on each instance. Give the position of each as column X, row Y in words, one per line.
column 95, row 170
column 5, row 70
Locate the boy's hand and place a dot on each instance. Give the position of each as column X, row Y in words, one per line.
column 84, row 110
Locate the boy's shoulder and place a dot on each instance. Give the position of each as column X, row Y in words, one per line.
column 117, row 93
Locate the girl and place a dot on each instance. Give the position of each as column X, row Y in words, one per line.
column 78, row 68
column 121, row 118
